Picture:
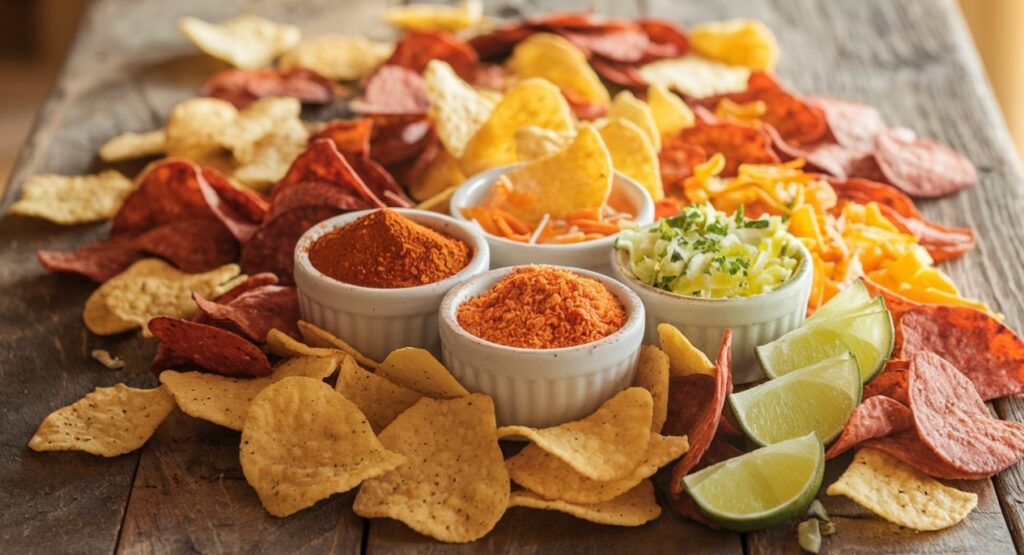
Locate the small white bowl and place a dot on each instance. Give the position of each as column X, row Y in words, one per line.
column 754, row 320
column 589, row 255
column 378, row 321
column 542, row 387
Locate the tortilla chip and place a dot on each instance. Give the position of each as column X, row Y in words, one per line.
column 628, row 107
column 317, row 337
column 633, row 155
column 195, row 126
column 73, row 199
column 246, row 41
column 671, row 114
column 738, row 42
column 652, row 374
column 338, row 57
column 283, row 345
column 379, row 398
column 553, row 58
column 418, row 370
column 636, row 507
column 683, row 357
column 429, row 17
column 440, row 175
column 457, row 109
column 454, row 487
column 533, row 142
column 110, row 421
column 607, row 445
column 696, row 76
column 901, row 494
column 129, row 146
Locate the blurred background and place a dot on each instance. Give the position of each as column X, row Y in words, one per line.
column 35, row 34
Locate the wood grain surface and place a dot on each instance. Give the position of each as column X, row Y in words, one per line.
column 183, row 492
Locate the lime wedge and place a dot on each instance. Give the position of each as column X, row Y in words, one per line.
column 818, row 398
column 853, row 295
column 763, row 487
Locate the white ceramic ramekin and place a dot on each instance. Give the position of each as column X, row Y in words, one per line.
column 754, row 320
column 378, row 321
column 589, row 255
column 542, row 387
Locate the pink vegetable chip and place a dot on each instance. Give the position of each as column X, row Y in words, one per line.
column 922, row 168
column 878, row 416
column 211, row 348
column 255, row 312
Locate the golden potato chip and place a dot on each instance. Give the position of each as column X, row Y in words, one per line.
column 195, row 127
column 379, row 399
column 553, row 58
column 454, row 487
column 110, row 421
column 427, row 17
column 533, row 142
column 901, row 494
column 632, row 154
column 149, row 288
column 534, row 102
column 73, row 199
column 652, row 374
column 419, row 371
column 246, row 41
column 551, row 478
column 129, row 146
column 441, row 174
column 738, row 42
column 633, row 508
column 440, row 203
column 629, row 107
column 283, row 345
column 683, row 357
column 225, row 401
column 316, row 337
column 607, row 445
column 696, row 76
column 671, row 114
column 339, row 57
column 302, row 441
column 457, row 109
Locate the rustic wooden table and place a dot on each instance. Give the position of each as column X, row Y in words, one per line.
column 184, row 490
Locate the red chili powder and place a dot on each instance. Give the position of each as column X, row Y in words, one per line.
column 539, row 307
column 386, row 250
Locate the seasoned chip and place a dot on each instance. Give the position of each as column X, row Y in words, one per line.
column 559, row 61
column 628, row 107
column 877, row 416
column 683, row 357
column 738, row 42
column 454, row 486
column 457, row 109
column 73, row 199
column 607, row 445
column 302, row 441
column 283, row 345
column 316, row 337
column 670, row 113
column 533, row 142
column 901, row 494
column 246, row 41
column 224, row 400
column 188, row 343
column 419, row 371
column 110, row 421
column 549, row 477
column 696, row 76
column 195, row 127
column 129, row 146
column 339, row 57
column 633, row 155
column 633, row 508
column 380, row 399
column 462, row 15
column 265, row 139
column 652, row 374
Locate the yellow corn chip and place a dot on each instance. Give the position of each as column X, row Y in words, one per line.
column 633, row 155
column 533, row 102
column 246, row 41
column 559, row 61
column 627, row 106
column 696, row 76
column 683, row 357
column 579, row 177
column 901, row 494
column 73, row 199
column 440, row 203
column 265, row 139
column 551, row 478
column 454, row 487
column 633, row 508
column 129, row 146
column 339, row 57
column 457, row 109
column 652, row 374
column 419, row 371
column 283, row 345
column 441, row 174
column 738, row 42
column 607, row 445
column 316, row 337
column 302, row 441
column 462, row 15
column 195, row 127
column 379, row 399
column 225, row 401
column 110, row 421
column 533, row 142
column 670, row 113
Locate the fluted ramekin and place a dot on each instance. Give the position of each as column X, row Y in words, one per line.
column 542, row 387
column 378, row 321
column 754, row 320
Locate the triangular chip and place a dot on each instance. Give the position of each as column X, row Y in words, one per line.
column 633, row 508
column 696, row 76
column 73, row 199
column 683, row 357
column 559, row 61
column 534, row 142
column 302, row 441
column 129, row 146
column 670, row 113
column 633, row 155
column 339, row 57
column 607, row 445
column 317, row 337
column 629, row 107
column 246, row 41
column 457, row 109
column 652, row 374
column 418, row 370
column 110, row 421
column 380, row 399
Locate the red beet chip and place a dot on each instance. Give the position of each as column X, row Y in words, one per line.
column 824, row 154
column 350, row 136
column 272, row 247
column 739, row 143
column 211, row 348
column 501, row 41
column 381, row 182
column 316, row 193
column 392, row 90
column 622, row 74
column 677, row 161
column 240, row 209
column 97, row 261
column 878, row 416
column 322, row 162
column 853, row 125
column 893, row 382
column 906, row 446
column 250, row 283
column 417, row 48
column 401, row 142
column 626, row 44
column 168, row 192
column 797, row 121
column 254, row 313
column 665, row 39
column 922, row 168
column 720, row 450
column 192, row 245
column 242, row 87
column 578, row 21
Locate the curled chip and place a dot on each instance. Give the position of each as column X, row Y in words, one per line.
column 392, row 90
column 534, row 142
column 339, row 57
column 242, row 87
column 420, row 17
column 632, row 154
column 607, row 445
column 283, row 345
column 553, row 58
column 457, row 109
column 671, row 114
column 454, row 486
column 418, row 370
column 224, row 400
column 696, row 76
column 380, row 399
column 129, row 146
column 110, row 421
column 684, row 359
column 652, row 374
column 73, row 199
column 302, row 441
column 214, row 349
column 418, row 48
column 254, row 313
column 272, row 247
column 533, row 102
column 628, row 107
column 922, row 168
column 900, row 494
column 317, row 337
column 551, row 478
column 636, row 507
column 738, row 42
column 877, row 416
column 246, row 41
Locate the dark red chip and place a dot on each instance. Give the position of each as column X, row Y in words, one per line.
column 500, row 42
column 239, row 210
column 254, row 313
column 402, row 142
column 168, row 192
column 272, row 247
column 922, row 168
column 878, row 416
column 97, row 261
column 622, row 74
column 417, row 48
column 854, row 126
column 211, row 348
column 250, row 283
column 193, row 246
column 324, row 163
column 665, row 39
column 677, row 161
column 392, row 90
column 350, row 136
column 242, row 87
column 626, row 44
column 378, row 180
column 315, row 193
column 739, row 143
column 892, row 382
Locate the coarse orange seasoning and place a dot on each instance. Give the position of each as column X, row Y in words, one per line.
column 540, row 307
column 386, row 250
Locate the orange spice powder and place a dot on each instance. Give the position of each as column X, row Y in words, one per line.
column 386, row 250
column 539, row 307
